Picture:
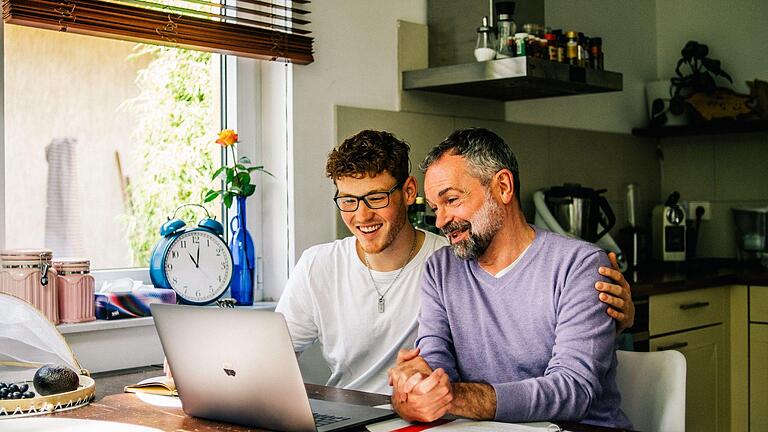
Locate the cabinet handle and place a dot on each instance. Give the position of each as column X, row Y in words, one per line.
column 675, row 345
column 696, row 305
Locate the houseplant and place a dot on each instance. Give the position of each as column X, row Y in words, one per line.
column 237, row 186
column 695, row 73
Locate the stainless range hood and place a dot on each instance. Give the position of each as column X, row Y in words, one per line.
column 513, row 78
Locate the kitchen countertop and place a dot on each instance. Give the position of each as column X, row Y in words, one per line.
column 694, row 274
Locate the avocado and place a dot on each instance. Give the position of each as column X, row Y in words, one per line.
column 53, row 379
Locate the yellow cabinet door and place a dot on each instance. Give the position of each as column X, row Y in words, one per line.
column 758, row 377
column 707, row 400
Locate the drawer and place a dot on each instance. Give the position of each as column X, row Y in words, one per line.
column 758, row 304
column 683, row 310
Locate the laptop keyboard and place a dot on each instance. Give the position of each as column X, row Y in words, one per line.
column 324, row 419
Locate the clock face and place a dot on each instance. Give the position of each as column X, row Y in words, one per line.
column 198, row 266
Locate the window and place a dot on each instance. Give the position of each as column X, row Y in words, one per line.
column 103, row 139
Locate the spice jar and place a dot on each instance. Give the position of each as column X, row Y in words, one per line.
column 28, row 275
column 485, row 47
column 572, row 48
column 76, row 287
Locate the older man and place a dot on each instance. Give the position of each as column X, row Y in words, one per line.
column 509, row 328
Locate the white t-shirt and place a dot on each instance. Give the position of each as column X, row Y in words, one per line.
column 330, row 297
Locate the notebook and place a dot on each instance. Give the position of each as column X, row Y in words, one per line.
column 238, row 366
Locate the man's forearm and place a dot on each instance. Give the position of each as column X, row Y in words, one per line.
column 474, row 400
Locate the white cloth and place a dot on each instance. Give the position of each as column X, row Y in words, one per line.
column 63, row 228
column 330, row 297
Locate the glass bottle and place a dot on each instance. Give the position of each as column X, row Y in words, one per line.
column 243, row 258
column 420, row 216
column 485, row 47
column 572, row 48
column 506, row 29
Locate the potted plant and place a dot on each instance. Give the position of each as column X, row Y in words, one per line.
column 695, row 74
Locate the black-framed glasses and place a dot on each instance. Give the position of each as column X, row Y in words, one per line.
column 374, row 200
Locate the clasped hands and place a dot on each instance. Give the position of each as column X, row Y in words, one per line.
column 418, row 392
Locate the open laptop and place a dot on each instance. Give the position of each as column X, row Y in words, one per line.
column 238, row 366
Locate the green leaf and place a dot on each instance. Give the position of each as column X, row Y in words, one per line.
column 244, row 160
column 235, row 190
column 243, row 178
column 260, row 168
column 228, row 199
column 217, row 172
column 230, row 175
column 248, row 190
column 211, row 195
column 241, row 167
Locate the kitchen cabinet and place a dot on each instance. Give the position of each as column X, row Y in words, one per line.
column 758, row 359
column 696, row 324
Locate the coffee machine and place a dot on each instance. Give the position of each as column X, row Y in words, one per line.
column 576, row 211
column 668, row 222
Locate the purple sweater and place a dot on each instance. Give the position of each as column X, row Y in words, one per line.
column 539, row 335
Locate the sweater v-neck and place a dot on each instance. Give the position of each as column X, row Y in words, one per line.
column 487, row 279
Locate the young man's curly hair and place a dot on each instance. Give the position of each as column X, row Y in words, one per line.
column 369, row 153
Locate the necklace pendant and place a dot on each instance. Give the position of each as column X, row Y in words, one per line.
column 381, row 304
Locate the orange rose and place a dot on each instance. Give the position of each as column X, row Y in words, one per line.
column 227, row 137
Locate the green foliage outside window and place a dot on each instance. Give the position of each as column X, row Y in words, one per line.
column 176, row 116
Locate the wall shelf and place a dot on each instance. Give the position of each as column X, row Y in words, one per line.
column 513, row 78
column 693, row 130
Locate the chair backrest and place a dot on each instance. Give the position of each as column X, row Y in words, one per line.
column 652, row 386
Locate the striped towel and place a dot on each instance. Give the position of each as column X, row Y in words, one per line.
column 63, row 230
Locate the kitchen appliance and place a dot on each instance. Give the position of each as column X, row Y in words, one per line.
column 668, row 222
column 632, row 237
column 580, row 212
column 751, row 228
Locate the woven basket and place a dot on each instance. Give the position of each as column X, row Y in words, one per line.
column 28, row 340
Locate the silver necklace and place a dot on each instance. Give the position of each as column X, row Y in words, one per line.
column 391, row 284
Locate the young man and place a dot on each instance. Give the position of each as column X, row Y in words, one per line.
column 359, row 296
column 510, row 328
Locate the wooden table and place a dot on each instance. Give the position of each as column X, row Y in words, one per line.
column 128, row 408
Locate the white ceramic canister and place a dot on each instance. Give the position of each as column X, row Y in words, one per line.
column 75, row 285
column 29, row 275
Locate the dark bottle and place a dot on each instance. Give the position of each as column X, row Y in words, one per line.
column 419, row 216
column 596, row 53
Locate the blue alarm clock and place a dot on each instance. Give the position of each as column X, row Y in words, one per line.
column 193, row 261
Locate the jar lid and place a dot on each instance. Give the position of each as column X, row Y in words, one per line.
column 71, row 264
column 30, row 255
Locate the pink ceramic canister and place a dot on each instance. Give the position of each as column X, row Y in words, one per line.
column 29, row 275
column 75, row 285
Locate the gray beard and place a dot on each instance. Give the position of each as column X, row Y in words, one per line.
column 488, row 221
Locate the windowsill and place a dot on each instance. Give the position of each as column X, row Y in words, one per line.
column 108, row 345
column 98, row 325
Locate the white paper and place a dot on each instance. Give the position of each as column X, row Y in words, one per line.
column 469, row 425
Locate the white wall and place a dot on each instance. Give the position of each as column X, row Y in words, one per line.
column 629, row 42
column 355, row 65
column 734, row 31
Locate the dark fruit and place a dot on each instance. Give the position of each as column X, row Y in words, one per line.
column 13, row 388
column 28, row 395
column 16, row 395
column 3, row 393
column 23, row 387
column 54, row 379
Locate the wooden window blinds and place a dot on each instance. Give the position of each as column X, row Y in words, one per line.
column 264, row 30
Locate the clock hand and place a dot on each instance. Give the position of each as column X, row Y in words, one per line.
column 197, row 261
column 193, row 259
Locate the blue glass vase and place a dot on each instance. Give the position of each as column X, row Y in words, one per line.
column 243, row 257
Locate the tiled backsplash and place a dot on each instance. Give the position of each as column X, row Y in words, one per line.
column 727, row 170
